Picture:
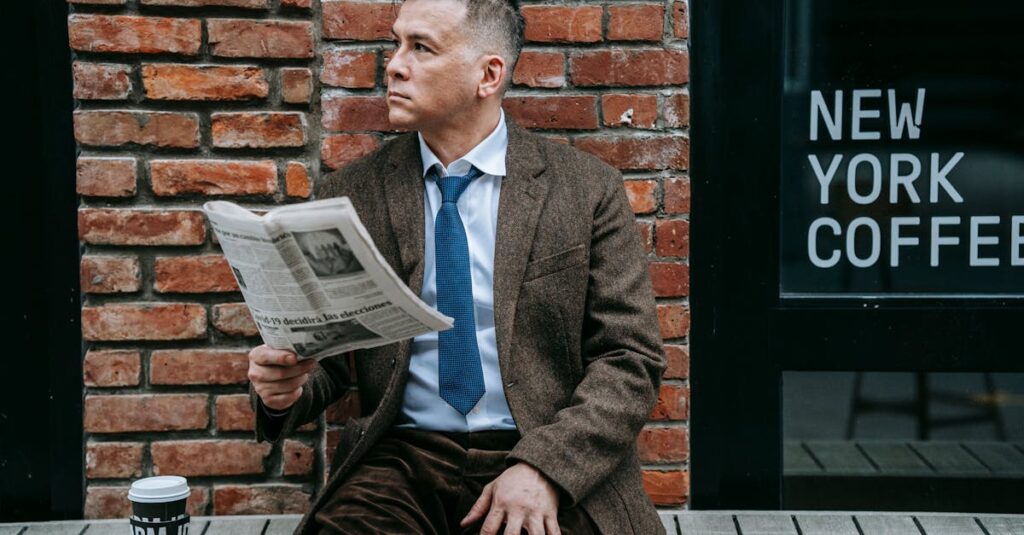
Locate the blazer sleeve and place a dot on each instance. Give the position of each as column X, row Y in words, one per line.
column 622, row 356
column 327, row 382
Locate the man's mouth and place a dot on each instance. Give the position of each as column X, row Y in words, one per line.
column 396, row 94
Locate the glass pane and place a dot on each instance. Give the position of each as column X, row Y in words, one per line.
column 902, row 149
column 910, row 441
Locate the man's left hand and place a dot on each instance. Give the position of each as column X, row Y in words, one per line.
column 523, row 498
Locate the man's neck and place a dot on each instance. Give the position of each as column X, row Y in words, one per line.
column 451, row 142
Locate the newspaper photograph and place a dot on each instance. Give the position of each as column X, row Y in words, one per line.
column 313, row 280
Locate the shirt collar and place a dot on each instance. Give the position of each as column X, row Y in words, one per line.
column 488, row 156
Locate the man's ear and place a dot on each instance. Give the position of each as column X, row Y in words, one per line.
column 494, row 74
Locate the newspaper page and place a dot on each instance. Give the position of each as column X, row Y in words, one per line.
column 314, row 281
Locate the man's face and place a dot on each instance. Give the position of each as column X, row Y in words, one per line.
column 432, row 73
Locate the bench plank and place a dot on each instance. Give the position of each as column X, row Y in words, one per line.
column 949, row 525
column 1003, row 525
column 766, row 523
column 283, row 526
column 70, row 528
column 1000, row 457
column 10, row 530
column 895, row 458
column 887, row 524
column 840, row 456
column 796, row 459
column 669, row 523
column 710, row 523
column 121, row 527
column 235, row 526
column 826, row 524
column 949, row 458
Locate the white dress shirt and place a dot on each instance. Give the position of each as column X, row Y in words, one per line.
column 422, row 406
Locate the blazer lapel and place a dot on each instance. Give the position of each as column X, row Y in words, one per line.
column 519, row 205
column 403, row 189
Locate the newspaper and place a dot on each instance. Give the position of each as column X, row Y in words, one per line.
column 314, row 281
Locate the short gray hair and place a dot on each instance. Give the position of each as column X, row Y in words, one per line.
column 496, row 26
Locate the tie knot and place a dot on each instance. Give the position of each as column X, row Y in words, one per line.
column 453, row 186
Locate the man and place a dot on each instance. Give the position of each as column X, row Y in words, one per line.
column 525, row 414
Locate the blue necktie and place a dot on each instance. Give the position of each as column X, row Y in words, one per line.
column 460, row 374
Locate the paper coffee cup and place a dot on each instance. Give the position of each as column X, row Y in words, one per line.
column 158, row 506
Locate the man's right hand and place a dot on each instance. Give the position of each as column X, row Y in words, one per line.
column 278, row 376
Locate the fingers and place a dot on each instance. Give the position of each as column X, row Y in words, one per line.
column 514, row 524
column 535, row 525
column 483, row 503
column 493, row 522
column 551, row 525
column 285, row 386
column 268, row 356
column 281, row 402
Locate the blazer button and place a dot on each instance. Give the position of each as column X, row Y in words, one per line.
column 393, row 361
column 507, row 385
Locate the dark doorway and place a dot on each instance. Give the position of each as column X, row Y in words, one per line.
column 41, row 449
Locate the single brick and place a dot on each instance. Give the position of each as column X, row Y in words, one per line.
column 672, row 404
column 105, row 177
column 297, row 458
column 540, row 69
column 134, row 35
column 337, row 150
column 110, row 274
column 260, row 499
column 113, row 460
column 677, row 110
column 680, row 21
column 296, row 85
column 246, row 38
column 145, row 412
column 141, row 227
column 556, row 112
column 670, row 279
column 144, row 321
column 673, row 321
column 672, row 237
column 101, row 81
column 198, row 367
column 667, row 488
column 640, row 153
column 349, row 68
column 159, row 129
column 234, row 319
column 234, row 413
column 663, row 445
column 208, row 457
column 562, row 24
column 348, row 113
column 213, row 177
column 642, row 195
column 645, row 228
column 296, row 180
column 111, row 367
column 629, row 67
column 298, row 4
column 193, row 274
column 250, row 4
column 358, row 21
column 677, row 195
column 258, row 130
column 636, row 22
column 678, row 362
column 344, row 409
column 638, row 111
column 203, row 82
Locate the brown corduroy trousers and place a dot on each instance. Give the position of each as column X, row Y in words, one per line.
column 416, row 481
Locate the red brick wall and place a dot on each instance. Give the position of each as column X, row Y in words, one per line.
column 179, row 101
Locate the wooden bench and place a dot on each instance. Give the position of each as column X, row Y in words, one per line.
column 877, row 475
column 676, row 523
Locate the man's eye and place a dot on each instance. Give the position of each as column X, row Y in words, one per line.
column 419, row 46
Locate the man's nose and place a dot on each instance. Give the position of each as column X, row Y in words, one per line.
column 395, row 67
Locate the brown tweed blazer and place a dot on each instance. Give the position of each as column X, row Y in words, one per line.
column 577, row 333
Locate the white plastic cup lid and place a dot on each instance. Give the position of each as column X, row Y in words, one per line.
column 158, row 489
